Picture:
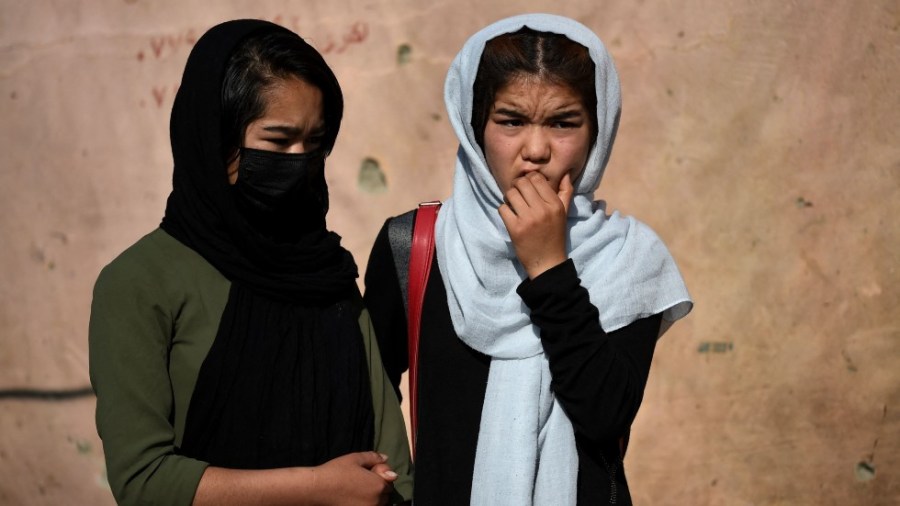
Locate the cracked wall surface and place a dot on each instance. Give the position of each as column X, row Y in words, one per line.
column 759, row 139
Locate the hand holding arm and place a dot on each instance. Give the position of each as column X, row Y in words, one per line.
column 362, row 479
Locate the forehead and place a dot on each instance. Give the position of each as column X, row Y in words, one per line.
column 293, row 100
column 530, row 92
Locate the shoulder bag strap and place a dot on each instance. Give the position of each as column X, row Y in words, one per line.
column 420, row 258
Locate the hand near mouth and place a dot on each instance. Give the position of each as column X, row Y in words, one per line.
column 535, row 216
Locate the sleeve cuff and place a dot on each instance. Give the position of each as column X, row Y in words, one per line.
column 558, row 279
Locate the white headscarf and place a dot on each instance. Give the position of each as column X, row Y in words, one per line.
column 526, row 447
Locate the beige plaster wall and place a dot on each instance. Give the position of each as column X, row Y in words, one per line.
column 760, row 140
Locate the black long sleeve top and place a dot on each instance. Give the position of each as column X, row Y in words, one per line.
column 598, row 377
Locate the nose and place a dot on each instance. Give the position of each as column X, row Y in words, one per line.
column 536, row 147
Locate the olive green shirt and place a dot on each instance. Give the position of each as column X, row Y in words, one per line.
column 154, row 316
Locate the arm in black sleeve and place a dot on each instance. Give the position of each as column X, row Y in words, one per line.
column 385, row 304
column 599, row 378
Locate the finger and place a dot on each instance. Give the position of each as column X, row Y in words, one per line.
column 388, row 476
column 546, row 192
column 508, row 216
column 370, row 459
column 527, row 187
column 536, row 176
column 516, row 201
column 385, row 472
column 566, row 190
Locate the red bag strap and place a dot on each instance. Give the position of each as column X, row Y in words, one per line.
column 421, row 255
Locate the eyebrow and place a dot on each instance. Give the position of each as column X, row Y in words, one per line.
column 510, row 112
column 562, row 115
column 291, row 130
column 572, row 113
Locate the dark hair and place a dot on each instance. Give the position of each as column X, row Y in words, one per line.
column 259, row 61
column 549, row 56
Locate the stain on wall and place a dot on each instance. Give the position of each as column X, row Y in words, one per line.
column 371, row 177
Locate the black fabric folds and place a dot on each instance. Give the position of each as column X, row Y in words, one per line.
column 283, row 385
column 286, row 380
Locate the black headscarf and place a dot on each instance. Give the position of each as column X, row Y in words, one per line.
column 201, row 212
column 286, row 381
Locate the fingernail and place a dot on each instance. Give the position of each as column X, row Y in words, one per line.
column 390, row 474
column 383, row 457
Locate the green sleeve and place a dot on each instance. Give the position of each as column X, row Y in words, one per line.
column 390, row 429
column 131, row 322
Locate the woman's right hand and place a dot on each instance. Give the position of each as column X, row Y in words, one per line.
column 535, row 216
column 362, row 478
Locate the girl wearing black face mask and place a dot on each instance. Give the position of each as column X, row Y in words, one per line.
column 231, row 356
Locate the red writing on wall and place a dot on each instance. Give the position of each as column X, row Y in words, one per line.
column 160, row 95
column 162, row 46
column 165, row 45
column 356, row 34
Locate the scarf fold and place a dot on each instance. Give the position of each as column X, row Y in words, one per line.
column 526, row 446
column 288, row 359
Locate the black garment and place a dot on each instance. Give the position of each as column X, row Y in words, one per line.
column 286, row 380
column 599, row 378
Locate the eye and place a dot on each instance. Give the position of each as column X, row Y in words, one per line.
column 510, row 122
column 316, row 140
column 565, row 124
column 279, row 141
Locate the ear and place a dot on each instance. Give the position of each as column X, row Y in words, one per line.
column 231, row 167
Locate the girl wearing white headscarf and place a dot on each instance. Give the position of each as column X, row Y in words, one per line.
column 542, row 312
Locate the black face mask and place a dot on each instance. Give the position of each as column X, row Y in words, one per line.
column 282, row 195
